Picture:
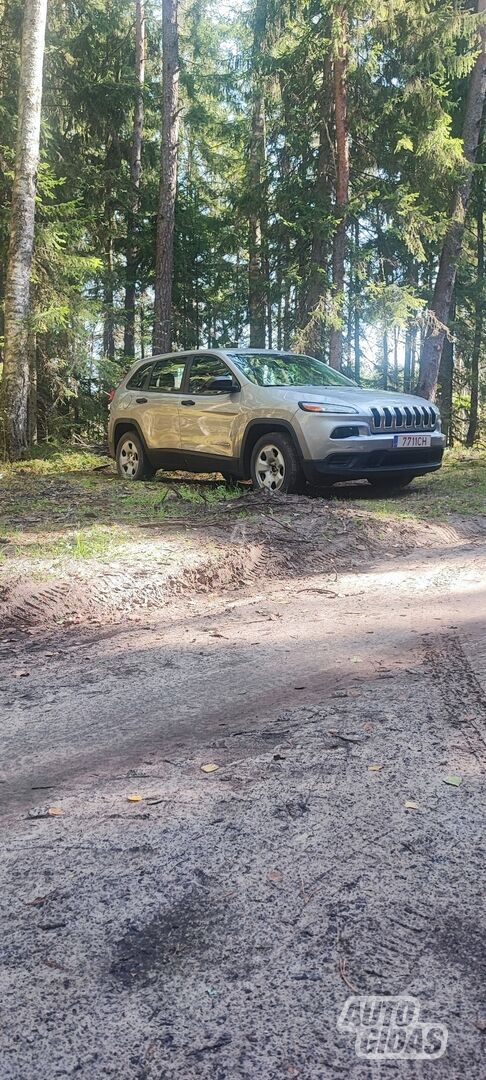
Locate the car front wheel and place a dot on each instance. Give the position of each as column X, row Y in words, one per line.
column 275, row 465
column 131, row 459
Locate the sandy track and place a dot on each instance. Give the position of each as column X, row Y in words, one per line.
column 215, row 929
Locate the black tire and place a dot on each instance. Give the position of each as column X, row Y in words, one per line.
column 131, row 460
column 388, row 483
column 281, row 466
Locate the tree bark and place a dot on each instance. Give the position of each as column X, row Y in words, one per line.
column 164, row 256
column 446, row 382
column 386, row 360
column 108, row 296
column 472, row 431
column 317, row 283
column 256, row 273
column 356, row 324
column 255, row 178
column 135, row 174
column 451, row 248
column 342, row 187
column 16, row 371
column 407, row 371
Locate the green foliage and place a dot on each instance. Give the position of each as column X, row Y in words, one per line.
column 409, row 62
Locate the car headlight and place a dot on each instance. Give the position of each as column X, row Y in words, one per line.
column 328, row 407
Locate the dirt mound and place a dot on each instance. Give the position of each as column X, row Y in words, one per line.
column 233, row 544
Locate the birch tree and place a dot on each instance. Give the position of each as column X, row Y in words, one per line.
column 16, row 371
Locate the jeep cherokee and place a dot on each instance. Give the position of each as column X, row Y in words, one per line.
column 276, row 417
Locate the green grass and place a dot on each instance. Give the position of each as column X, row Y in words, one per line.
column 59, row 505
column 459, row 488
column 47, row 460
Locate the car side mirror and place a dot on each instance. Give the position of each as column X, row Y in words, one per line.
column 222, row 384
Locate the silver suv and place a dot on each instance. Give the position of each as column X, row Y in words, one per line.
column 275, row 417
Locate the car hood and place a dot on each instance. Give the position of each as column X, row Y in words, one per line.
column 346, row 395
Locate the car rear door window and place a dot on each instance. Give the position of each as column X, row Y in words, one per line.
column 166, row 376
column 138, row 378
column 204, row 370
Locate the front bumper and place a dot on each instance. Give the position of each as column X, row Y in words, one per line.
column 360, row 458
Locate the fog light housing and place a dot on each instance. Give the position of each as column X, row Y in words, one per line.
column 345, row 431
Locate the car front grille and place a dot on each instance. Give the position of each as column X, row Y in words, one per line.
column 402, row 418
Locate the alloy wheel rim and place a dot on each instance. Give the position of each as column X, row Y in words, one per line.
column 129, row 459
column 270, row 468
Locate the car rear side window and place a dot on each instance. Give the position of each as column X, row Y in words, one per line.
column 138, row 378
column 166, row 377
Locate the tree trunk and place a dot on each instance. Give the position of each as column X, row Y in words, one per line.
column 451, row 248
column 445, row 384
column 108, row 297
column 135, row 174
column 164, row 256
column 385, row 360
column 479, row 312
column 16, row 371
column 357, row 327
column 342, row 187
column 407, row 371
column 268, row 292
column 317, row 280
column 256, row 274
column 255, row 179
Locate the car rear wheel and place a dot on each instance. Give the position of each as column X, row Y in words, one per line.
column 390, row 482
column 275, row 465
column 131, row 459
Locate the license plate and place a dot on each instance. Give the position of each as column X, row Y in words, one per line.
column 412, row 440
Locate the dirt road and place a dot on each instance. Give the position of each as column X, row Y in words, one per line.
column 216, row 928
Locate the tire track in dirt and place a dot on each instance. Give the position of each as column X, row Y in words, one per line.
column 463, row 696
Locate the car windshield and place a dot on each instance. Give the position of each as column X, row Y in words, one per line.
column 287, row 369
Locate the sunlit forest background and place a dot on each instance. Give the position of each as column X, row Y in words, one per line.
column 317, row 147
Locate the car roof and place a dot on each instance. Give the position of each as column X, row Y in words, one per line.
column 227, row 350
column 216, row 348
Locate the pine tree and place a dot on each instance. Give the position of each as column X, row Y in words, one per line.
column 135, row 175
column 340, row 74
column 256, row 169
column 451, row 248
column 164, row 256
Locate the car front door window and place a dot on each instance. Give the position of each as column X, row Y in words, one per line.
column 205, row 373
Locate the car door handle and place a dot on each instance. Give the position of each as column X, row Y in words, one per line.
column 188, row 402
column 141, row 400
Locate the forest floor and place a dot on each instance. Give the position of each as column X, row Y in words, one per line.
column 327, row 656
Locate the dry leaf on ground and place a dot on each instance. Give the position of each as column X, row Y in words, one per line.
column 209, row 768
